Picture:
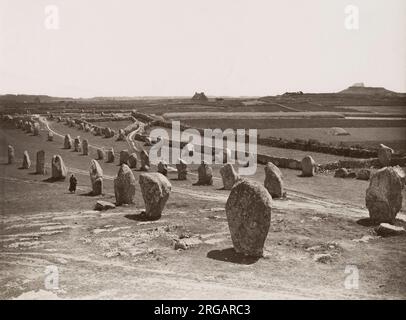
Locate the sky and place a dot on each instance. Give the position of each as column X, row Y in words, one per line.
column 178, row 47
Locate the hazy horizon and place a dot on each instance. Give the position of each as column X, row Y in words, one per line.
column 230, row 48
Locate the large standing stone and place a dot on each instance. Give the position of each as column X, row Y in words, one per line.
column 124, row 186
column 384, row 155
column 67, row 142
column 50, row 136
column 96, row 177
column 308, row 166
column 26, row 160
column 110, row 155
column 182, row 169
column 36, row 129
column 85, row 147
column 155, row 190
column 273, row 180
column 11, row 154
column 229, row 176
column 384, row 195
column 40, row 164
column 145, row 165
column 59, row 170
column 76, row 144
column 132, row 160
column 248, row 211
column 100, row 154
column 205, row 174
column 124, row 155
column 163, row 168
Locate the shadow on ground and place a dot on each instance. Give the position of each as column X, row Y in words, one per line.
column 229, row 255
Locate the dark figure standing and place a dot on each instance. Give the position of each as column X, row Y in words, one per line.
column 72, row 183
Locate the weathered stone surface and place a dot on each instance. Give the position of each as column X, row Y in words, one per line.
column 364, row 174
column 155, row 190
column 341, row 173
column 384, row 195
column 36, row 129
column 40, row 164
column 10, row 154
column 308, row 166
column 50, row 136
column 205, row 175
column 26, row 161
column 85, row 147
column 401, row 174
column 384, row 155
column 96, row 177
column 100, row 154
column 182, row 169
column 229, row 176
column 59, row 170
column 121, row 135
column 163, row 168
column 76, row 144
column 387, row 230
column 124, row 155
column 132, row 160
column 104, row 205
column 273, row 180
column 110, row 155
column 248, row 211
column 145, row 165
column 67, row 142
column 124, row 186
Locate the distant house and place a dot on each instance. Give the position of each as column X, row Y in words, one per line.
column 200, row 96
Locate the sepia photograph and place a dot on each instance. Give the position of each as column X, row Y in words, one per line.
column 197, row 150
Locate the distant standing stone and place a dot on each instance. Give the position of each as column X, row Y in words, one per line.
column 145, row 165
column 26, row 161
column 11, row 154
column 121, row 135
column 132, row 160
column 110, row 155
column 124, row 155
column 67, row 142
column 384, row 155
column 76, row 144
column 85, row 147
column 155, row 190
column 341, row 173
column 229, row 176
column 205, row 175
column 36, row 129
column 384, row 195
column 163, row 168
column 363, row 174
column 50, row 136
column 40, row 164
column 248, row 211
column 59, row 170
column 273, row 180
column 182, row 169
column 96, row 177
column 308, row 166
column 100, row 154
column 124, row 186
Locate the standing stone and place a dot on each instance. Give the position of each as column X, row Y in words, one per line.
column 273, row 180
column 85, row 147
column 124, row 155
column 67, row 142
column 11, row 154
column 384, row 195
column 401, row 174
column 76, row 144
column 363, row 174
column 96, row 177
column 248, row 211
column 132, row 160
column 163, row 168
column 308, row 166
column 124, row 186
column 26, row 161
column 59, row 170
column 155, row 190
column 121, row 135
column 229, row 176
column 100, row 154
column 145, row 165
column 205, row 175
column 341, row 173
column 40, row 164
column 50, row 136
column 182, row 169
column 36, row 129
column 110, row 155
column 384, row 155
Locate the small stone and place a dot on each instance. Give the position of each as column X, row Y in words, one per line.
column 387, row 230
column 110, row 156
column 100, row 154
column 163, row 168
column 67, row 142
column 85, row 147
column 11, row 154
column 384, row 155
column 181, row 167
column 229, row 176
column 104, row 205
column 50, row 136
column 132, row 160
column 205, row 175
column 341, row 173
column 274, row 180
column 308, row 166
column 364, row 174
column 26, row 161
column 124, row 155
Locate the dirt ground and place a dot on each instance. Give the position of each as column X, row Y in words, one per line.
column 116, row 255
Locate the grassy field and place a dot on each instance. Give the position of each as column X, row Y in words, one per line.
column 115, row 125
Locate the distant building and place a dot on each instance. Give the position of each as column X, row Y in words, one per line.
column 200, row 96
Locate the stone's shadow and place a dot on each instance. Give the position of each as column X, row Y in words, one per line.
column 51, row 179
column 140, row 217
column 302, row 176
column 229, row 255
column 88, row 194
column 367, row 222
